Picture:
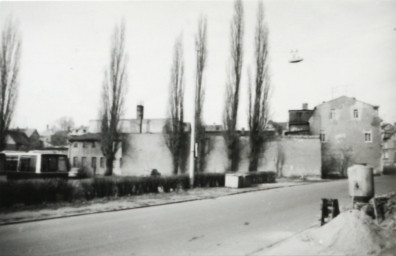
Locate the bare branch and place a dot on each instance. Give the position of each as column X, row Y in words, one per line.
column 230, row 113
column 201, row 55
column 259, row 99
column 10, row 52
column 174, row 129
column 113, row 92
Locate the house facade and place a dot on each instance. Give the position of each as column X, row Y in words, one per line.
column 350, row 133
column 389, row 146
column 85, row 152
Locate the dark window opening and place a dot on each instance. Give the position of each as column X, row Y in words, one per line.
column 11, row 163
column 53, row 163
column 27, row 164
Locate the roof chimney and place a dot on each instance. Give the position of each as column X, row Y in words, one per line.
column 305, row 106
column 139, row 116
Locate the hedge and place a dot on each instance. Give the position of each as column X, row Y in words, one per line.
column 261, row 177
column 42, row 191
column 389, row 170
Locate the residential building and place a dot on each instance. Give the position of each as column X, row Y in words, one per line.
column 85, row 151
column 299, row 121
column 17, row 140
column 23, row 140
column 350, row 133
column 388, row 145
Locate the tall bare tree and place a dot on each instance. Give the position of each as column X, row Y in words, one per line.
column 259, row 95
column 65, row 123
column 201, row 50
column 174, row 129
column 113, row 91
column 230, row 113
column 10, row 52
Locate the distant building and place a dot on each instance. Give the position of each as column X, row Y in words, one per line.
column 143, row 147
column 299, row 121
column 23, row 140
column 79, row 130
column 45, row 136
column 389, row 145
column 85, row 151
column 350, row 133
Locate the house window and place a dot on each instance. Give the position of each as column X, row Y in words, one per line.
column 332, row 114
column 75, row 144
column 93, row 144
column 120, row 162
column 75, row 161
column 101, row 162
column 84, row 144
column 355, row 114
column 367, row 136
column 83, row 161
column 386, row 155
column 322, row 137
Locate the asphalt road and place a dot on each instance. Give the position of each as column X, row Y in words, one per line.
column 241, row 224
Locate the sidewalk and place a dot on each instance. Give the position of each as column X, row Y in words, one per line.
column 44, row 212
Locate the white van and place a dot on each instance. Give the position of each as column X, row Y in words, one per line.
column 34, row 165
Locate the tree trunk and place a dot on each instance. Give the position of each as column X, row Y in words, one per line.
column 175, row 160
column 254, row 156
column 109, row 166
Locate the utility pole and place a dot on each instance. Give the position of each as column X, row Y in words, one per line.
column 192, row 139
column 192, row 146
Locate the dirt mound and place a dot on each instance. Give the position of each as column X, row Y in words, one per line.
column 353, row 233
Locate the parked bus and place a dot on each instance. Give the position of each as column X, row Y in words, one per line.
column 34, row 165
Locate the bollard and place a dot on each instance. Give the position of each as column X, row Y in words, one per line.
column 330, row 210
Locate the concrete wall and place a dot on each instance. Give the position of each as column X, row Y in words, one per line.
column 345, row 134
column 145, row 152
column 289, row 156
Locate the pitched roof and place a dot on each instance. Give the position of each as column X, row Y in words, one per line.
column 85, row 137
column 346, row 98
column 19, row 137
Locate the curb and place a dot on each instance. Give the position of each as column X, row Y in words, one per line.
column 153, row 205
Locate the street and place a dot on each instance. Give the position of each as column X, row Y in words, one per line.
column 240, row 224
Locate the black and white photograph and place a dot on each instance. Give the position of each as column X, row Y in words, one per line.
column 198, row 127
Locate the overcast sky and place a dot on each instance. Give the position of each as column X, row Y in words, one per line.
column 349, row 48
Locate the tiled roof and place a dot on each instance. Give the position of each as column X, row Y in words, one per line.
column 19, row 137
column 85, row 137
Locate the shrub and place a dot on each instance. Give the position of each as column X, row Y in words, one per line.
column 389, row 170
column 84, row 172
column 35, row 191
column 261, row 177
column 209, row 180
column 39, row 191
